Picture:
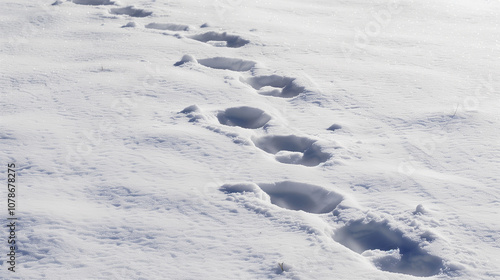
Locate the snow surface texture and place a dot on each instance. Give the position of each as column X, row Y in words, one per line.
column 252, row 139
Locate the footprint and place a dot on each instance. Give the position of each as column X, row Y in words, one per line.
column 292, row 149
column 130, row 11
column 231, row 41
column 224, row 63
column 168, row 26
column 246, row 117
column 301, row 196
column 290, row 195
column 371, row 238
column 274, row 85
column 93, row 2
column 196, row 115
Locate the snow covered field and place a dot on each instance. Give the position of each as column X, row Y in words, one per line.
column 230, row 139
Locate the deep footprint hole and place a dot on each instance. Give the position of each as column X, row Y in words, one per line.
column 292, row 149
column 131, row 11
column 93, row 2
column 413, row 260
column 301, row 196
column 275, row 85
column 167, row 26
column 231, row 41
column 226, row 63
column 246, row 117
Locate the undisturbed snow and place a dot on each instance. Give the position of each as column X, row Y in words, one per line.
column 219, row 139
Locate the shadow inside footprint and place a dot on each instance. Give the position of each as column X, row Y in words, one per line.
column 275, row 85
column 93, row 2
column 167, row 26
column 246, row 117
column 300, row 196
column 411, row 259
column 226, row 63
column 130, row 11
column 232, row 41
column 292, row 149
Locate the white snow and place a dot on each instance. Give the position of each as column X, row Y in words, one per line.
column 219, row 139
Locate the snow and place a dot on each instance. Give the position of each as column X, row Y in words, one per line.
column 219, row 139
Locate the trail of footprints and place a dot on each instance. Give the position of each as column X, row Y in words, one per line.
column 220, row 39
column 399, row 253
column 402, row 255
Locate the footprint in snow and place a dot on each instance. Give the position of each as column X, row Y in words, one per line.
column 220, row 39
column 168, row 26
column 388, row 248
column 223, row 63
column 130, row 11
column 292, row 149
column 301, row 196
column 291, row 195
column 93, row 2
column 274, row 85
column 246, row 117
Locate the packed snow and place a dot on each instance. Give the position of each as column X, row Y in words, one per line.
column 229, row 139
